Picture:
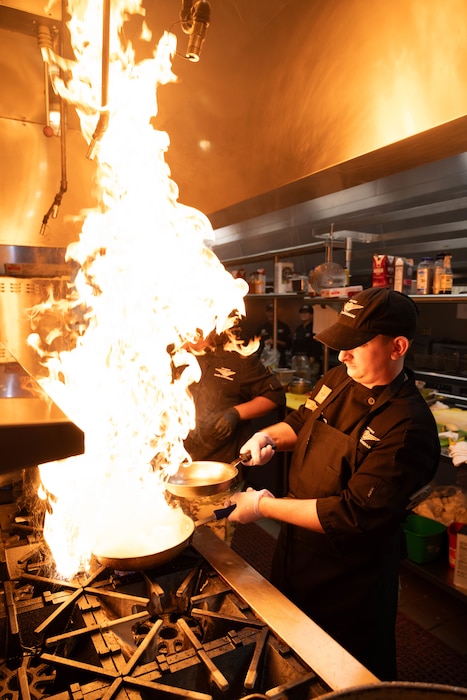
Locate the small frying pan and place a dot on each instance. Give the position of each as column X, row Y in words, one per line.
column 204, row 478
column 182, row 527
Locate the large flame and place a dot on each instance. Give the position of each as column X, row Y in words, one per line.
column 147, row 283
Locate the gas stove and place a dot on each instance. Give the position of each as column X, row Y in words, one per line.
column 203, row 626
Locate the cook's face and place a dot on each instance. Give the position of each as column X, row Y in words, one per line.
column 370, row 364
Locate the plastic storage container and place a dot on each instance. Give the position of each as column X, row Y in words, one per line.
column 425, row 538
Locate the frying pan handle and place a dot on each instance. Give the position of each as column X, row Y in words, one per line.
column 224, row 512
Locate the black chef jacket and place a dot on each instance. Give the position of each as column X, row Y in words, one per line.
column 228, row 379
column 361, row 453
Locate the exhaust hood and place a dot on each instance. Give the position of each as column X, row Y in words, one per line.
column 298, row 113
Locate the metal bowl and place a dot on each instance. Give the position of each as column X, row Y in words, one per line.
column 298, row 385
column 203, row 478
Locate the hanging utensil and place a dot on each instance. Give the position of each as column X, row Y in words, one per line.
column 329, row 274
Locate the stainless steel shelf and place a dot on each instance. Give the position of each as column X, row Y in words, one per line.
column 316, row 247
column 439, row 298
column 296, row 297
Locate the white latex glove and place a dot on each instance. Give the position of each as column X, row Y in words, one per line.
column 449, row 434
column 247, row 502
column 261, row 448
column 458, row 453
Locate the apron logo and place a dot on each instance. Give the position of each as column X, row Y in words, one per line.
column 369, row 438
column 224, row 373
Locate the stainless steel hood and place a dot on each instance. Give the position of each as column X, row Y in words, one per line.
column 298, row 115
column 33, row 430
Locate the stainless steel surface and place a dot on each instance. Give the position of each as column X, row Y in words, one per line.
column 347, row 114
column 33, row 430
column 417, row 212
column 18, row 296
column 330, row 661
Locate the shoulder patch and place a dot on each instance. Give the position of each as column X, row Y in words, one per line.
column 322, row 394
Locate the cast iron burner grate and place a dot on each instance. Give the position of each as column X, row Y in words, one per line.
column 178, row 631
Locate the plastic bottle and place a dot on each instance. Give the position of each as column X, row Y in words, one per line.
column 425, row 276
column 439, row 264
column 445, row 281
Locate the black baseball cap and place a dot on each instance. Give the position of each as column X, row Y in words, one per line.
column 305, row 308
column 369, row 313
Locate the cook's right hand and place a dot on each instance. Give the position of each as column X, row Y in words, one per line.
column 261, row 447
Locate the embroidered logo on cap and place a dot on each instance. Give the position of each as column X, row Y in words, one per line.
column 349, row 307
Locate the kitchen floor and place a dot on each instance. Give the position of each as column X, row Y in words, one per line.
column 436, row 611
column 428, row 606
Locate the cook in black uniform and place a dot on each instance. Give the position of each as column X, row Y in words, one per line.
column 303, row 341
column 266, row 335
column 233, row 390
column 364, row 441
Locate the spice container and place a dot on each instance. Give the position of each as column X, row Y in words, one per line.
column 445, row 279
column 438, row 268
column 425, row 276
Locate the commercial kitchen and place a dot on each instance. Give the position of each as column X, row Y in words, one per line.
column 172, row 166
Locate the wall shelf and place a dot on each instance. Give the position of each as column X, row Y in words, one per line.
column 280, row 253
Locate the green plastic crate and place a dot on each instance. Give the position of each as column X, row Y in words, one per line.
column 425, row 538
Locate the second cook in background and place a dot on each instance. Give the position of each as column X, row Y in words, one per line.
column 303, row 340
column 266, row 336
column 233, row 390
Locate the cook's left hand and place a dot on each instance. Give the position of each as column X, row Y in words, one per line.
column 225, row 424
column 247, row 502
column 458, row 453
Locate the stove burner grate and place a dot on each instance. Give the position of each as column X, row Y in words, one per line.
column 172, row 632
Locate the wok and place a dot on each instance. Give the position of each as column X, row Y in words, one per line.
column 177, row 529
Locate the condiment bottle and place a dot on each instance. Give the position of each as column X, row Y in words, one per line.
column 445, row 280
column 439, row 264
column 425, row 276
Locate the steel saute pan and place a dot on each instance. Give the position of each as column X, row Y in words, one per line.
column 204, row 478
column 176, row 530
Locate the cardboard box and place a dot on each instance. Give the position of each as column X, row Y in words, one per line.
column 383, row 271
column 460, row 570
column 403, row 273
column 283, row 272
column 341, row 292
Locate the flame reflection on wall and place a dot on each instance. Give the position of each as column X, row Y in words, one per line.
column 146, row 283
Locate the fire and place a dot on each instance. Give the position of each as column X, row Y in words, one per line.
column 147, row 283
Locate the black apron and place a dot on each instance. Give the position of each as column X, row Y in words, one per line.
column 350, row 595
